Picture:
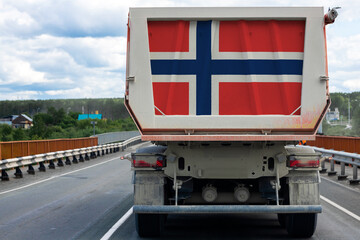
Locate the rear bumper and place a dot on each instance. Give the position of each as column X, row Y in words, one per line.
column 224, row 137
column 203, row 209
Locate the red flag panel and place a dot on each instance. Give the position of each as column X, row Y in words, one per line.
column 168, row 36
column 259, row 98
column 261, row 36
column 171, row 98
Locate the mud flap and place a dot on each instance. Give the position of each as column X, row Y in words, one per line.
column 148, row 187
column 304, row 188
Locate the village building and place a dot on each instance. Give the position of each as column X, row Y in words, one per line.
column 17, row 121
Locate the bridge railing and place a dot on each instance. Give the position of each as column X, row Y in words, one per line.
column 115, row 136
column 339, row 143
column 344, row 158
column 15, row 149
column 70, row 156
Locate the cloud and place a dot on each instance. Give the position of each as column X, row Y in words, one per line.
column 74, row 18
column 21, row 95
column 344, row 63
column 108, row 52
column 344, row 52
column 99, row 18
column 16, row 22
column 14, row 71
column 60, row 66
column 353, row 84
column 74, row 49
column 345, row 81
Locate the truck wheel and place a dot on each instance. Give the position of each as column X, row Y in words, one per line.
column 301, row 224
column 149, row 225
column 282, row 219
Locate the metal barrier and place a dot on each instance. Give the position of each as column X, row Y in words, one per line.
column 351, row 159
column 346, row 144
column 25, row 148
column 77, row 155
column 115, row 136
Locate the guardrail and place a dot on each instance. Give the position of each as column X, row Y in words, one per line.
column 15, row 149
column 345, row 158
column 339, row 143
column 69, row 156
column 111, row 137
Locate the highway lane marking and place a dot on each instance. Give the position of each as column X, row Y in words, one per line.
column 341, row 185
column 340, row 208
column 118, row 224
column 123, row 219
column 57, row 176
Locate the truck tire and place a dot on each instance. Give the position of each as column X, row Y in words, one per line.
column 282, row 219
column 149, row 225
column 301, row 224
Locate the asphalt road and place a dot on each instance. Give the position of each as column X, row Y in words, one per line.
column 85, row 200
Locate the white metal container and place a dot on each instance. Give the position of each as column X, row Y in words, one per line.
column 227, row 74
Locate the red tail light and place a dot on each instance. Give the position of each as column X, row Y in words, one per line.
column 303, row 163
column 156, row 162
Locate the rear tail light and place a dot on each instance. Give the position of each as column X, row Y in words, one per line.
column 148, row 161
column 295, row 162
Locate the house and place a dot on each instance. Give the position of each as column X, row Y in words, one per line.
column 8, row 119
column 22, row 121
column 333, row 115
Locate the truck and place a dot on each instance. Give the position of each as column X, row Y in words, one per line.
column 224, row 95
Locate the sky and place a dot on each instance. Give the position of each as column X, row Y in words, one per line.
column 51, row 49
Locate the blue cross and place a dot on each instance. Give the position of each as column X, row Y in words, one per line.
column 203, row 67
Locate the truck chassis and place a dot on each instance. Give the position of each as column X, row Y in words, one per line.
column 226, row 177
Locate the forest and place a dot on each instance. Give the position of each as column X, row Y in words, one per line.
column 348, row 105
column 110, row 108
column 58, row 118
column 53, row 119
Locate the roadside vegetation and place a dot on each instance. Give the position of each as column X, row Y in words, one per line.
column 58, row 118
column 110, row 108
column 59, row 124
column 345, row 102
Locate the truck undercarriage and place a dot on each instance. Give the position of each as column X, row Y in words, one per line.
column 231, row 177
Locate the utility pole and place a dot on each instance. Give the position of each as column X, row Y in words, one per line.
column 349, row 122
column 93, row 123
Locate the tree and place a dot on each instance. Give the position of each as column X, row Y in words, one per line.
column 39, row 127
column 339, row 101
column 19, row 134
column 356, row 122
column 6, row 132
column 325, row 127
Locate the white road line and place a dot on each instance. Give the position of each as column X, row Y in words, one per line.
column 60, row 175
column 341, row 185
column 340, row 208
column 118, row 224
column 130, row 211
column 113, row 229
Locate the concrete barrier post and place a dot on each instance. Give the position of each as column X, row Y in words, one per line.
column 355, row 179
column 4, row 175
column 60, row 163
column 342, row 175
column 332, row 167
column 31, row 170
column 18, row 173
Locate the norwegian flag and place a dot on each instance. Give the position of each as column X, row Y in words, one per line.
column 237, row 67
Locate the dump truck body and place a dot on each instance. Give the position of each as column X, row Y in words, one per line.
column 227, row 74
column 225, row 94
